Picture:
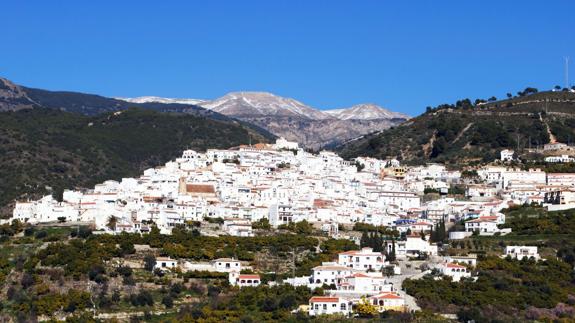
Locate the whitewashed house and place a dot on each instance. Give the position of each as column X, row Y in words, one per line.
column 323, row 305
column 388, row 301
column 364, row 259
column 520, row 252
column 455, row 271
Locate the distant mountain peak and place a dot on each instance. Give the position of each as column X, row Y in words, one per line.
column 262, row 104
column 366, row 111
column 13, row 97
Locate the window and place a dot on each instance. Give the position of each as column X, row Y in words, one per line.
column 325, row 306
column 334, row 305
column 343, row 307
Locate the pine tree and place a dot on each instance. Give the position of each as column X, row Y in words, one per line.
column 391, row 256
column 364, row 239
column 377, row 242
column 441, row 234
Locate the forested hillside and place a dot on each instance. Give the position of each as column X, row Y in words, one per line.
column 44, row 149
column 473, row 132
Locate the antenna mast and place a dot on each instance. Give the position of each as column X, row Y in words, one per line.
column 566, row 72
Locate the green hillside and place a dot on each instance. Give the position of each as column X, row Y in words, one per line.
column 468, row 132
column 42, row 148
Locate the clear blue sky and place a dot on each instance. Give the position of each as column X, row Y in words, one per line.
column 403, row 55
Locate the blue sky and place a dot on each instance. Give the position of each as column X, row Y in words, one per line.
column 404, row 55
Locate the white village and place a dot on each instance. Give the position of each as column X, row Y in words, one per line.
column 281, row 183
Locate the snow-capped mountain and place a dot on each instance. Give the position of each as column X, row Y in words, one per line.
column 294, row 120
column 367, row 111
column 157, row 99
column 252, row 104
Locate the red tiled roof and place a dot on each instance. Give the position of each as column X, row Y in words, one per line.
column 387, row 296
column 247, row 276
column 319, row 299
column 200, row 188
column 452, row 265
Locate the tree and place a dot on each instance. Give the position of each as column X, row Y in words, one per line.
column 557, row 87
column 509, row 95
column 391, row 255
column 303, row 227
column 112, row 222
column 262, row 224
column 364, row 241
column 388, row 271
column 149, row 262
column 168, row 301
column 58, row 194
column 365, row 309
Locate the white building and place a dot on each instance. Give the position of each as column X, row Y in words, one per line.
column 164, row 263
column 244, row 280
column 507, row 155
column 329, row 273
column 322, row 305
column 388, row 301
column 364, row 259
column 484, row 225
column 560, row 159
column 413, row 245
column 359, row 284
column 455, row 271
column 520, row 252
column 281, row 143
column 226, row 265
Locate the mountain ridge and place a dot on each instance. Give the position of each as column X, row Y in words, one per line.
column 293, row 107
column 296, row 121
column 262, row 111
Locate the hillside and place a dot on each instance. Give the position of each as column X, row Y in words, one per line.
column 43, row 148
column 15, row 97
column 465, row 132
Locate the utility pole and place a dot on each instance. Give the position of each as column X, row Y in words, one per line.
column 566, row 72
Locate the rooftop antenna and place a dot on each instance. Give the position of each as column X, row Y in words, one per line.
column 566, row 71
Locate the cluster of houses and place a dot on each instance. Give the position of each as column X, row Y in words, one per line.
column 284, row 184
column 354, row 276
column 281, row 183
